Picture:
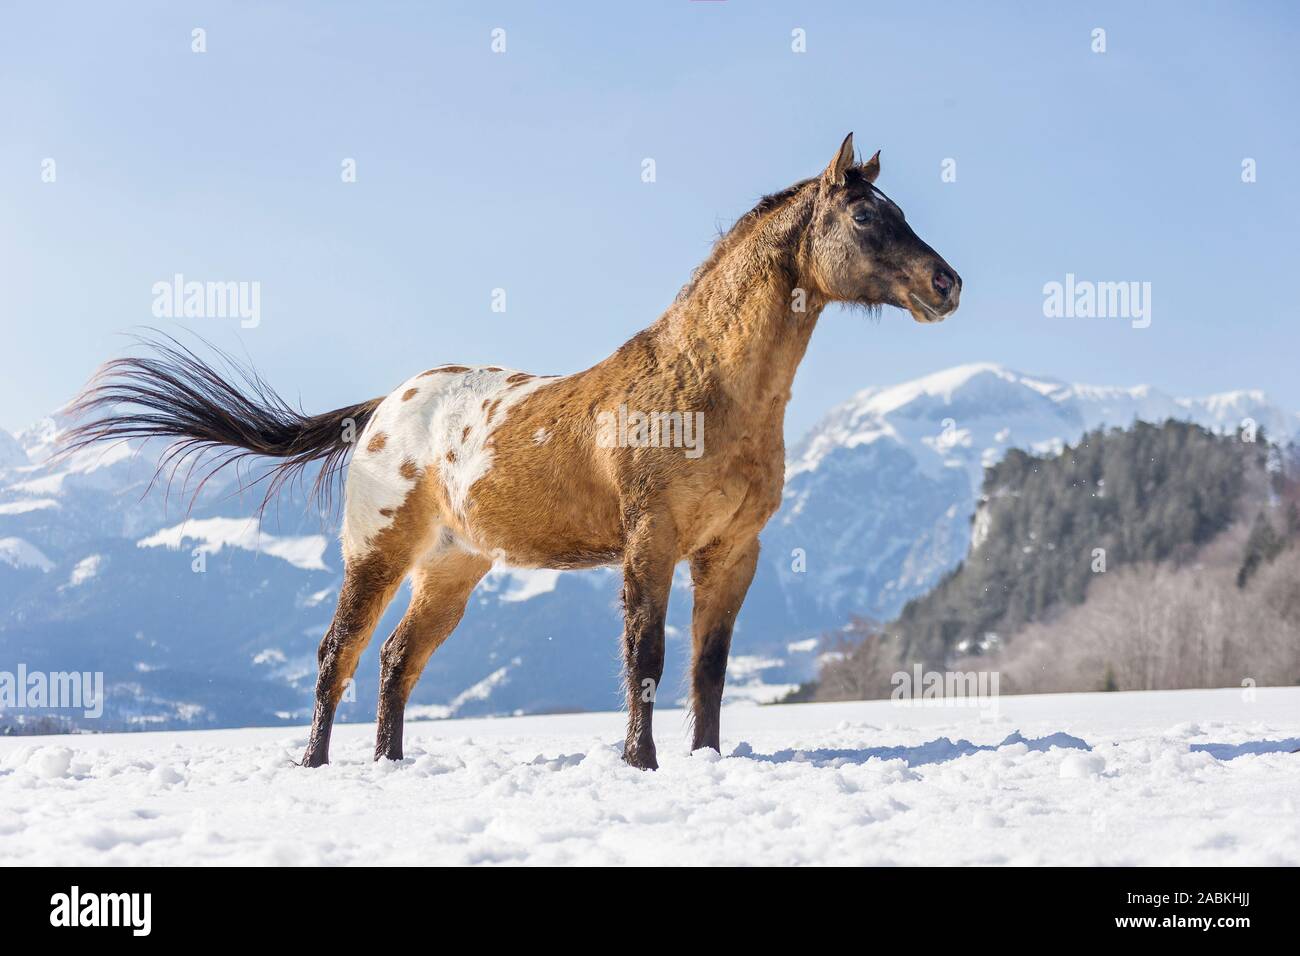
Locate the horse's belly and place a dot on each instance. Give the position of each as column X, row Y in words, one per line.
column 544, row 509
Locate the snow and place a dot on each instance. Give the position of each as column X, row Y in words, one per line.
column 942, row 384
column 38, row 442
column 12, row 454
column 481, row 690
column 521, row 584
column 909, row 413
column 19, row 553
column 213, row 534
column 1174, row 777
column 316, row 598
column 49, row 763
column 26, row 505
column 46, row 485
column 85, row 569
column 745, row 681
column 88, row 460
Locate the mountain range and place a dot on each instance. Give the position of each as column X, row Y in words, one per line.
column 198, row 616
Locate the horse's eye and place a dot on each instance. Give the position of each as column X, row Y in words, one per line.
column 862, row 216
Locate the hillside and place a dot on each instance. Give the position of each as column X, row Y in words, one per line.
column 1046, row 524
column 1152, row 557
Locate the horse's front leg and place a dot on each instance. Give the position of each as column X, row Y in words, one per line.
column 721, row 574
column 649, row 556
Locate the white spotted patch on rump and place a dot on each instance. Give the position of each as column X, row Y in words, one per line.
column 441, row 421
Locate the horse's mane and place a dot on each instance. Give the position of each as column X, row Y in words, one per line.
column 741, row 229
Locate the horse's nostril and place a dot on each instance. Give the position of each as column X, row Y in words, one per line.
column 943, row 282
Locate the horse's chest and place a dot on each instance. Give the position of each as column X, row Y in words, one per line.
column 742, row 491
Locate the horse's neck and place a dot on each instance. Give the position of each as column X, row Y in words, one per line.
column 747, row 331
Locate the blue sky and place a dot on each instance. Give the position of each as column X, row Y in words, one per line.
column 522, row 171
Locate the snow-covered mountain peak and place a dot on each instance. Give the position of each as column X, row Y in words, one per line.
column 39, row 440
column 941, row 385
column 952, row 409
column 984, row 407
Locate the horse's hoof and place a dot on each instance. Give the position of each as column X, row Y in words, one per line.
column 641, row 759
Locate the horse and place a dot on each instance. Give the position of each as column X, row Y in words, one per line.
column 462, row 467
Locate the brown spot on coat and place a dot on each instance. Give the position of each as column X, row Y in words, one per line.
column 518, row 378
column 386, row 512
column 408, row 470
column 464, row 432
column 445, row 368
column 377, row 443
column 409, row 394
column 451, row 456
column 493, row 410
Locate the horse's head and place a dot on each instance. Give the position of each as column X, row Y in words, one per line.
column 862, row 250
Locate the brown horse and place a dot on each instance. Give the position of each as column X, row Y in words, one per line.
column 671, row 449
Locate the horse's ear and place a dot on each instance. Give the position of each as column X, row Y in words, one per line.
column 871, row 168
column 834, row 174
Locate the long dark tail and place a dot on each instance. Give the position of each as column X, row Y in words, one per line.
column 223, row 407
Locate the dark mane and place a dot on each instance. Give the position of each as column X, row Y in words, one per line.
column 740, row 229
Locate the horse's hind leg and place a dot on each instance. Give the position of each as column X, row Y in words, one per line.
column 647, row 578
column 440, row 589
column 368, row 585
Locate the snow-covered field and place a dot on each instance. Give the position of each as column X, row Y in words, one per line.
column 1175, row 777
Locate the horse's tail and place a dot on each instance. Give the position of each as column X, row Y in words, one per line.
column 226, row 406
